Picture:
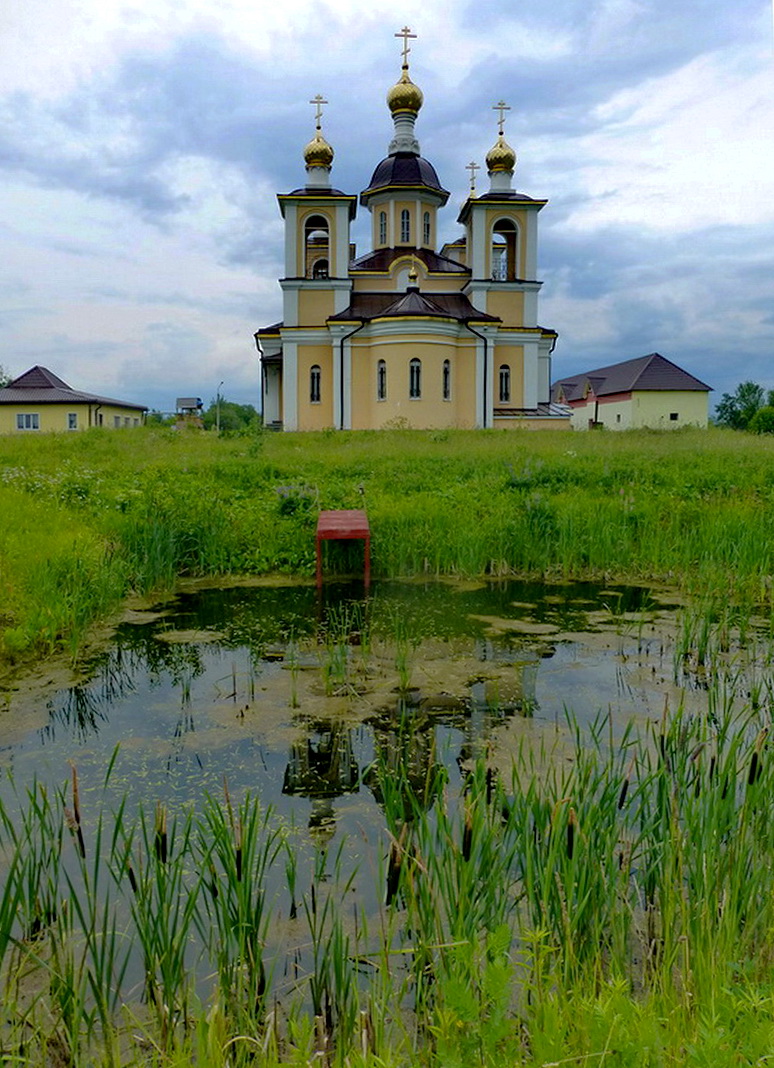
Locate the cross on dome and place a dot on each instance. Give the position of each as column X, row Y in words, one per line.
column 502, row 107
column 406, row 34
column 472, row 167
column 318, row 101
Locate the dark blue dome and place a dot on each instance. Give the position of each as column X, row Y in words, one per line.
column 404, row 169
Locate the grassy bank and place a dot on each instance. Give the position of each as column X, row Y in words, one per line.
column 87, row 518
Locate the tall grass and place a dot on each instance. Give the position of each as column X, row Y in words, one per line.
column 615, row 904
column 87, row 518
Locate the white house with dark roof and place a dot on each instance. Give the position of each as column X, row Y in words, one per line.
column 649, row 391
column 40, row 401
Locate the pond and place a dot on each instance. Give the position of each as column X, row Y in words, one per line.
column 292, row 694
column 341, row 718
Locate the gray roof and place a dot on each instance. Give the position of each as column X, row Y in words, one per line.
column 41, row 386
column 412, row 303
column 650, row 373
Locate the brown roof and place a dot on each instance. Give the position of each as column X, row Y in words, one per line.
column 367, row 306
column 647, row 373
column 382, row 259
column 41, row 386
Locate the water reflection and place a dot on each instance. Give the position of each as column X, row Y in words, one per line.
column 302, row 696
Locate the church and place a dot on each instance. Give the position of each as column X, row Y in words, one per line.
column 408, row 335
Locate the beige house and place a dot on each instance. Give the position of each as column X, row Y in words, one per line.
column 406, row 335
column 39, row 401
column 649, row 391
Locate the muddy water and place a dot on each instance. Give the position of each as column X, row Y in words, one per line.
column 295, row 695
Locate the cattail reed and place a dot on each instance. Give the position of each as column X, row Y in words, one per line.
column 572, row 823
column 467, row 834
column 160, row 835
column 394, row 865
column 756, row 769
column 74, row 818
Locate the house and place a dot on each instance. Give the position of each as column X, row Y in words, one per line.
column 649, row 391
column 39, row 400
column 407, row 335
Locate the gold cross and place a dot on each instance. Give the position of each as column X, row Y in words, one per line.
column 405, row 33
column 473, row 167
column 318, row 101
column 502, row 107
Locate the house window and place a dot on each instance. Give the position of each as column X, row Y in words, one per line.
column 405, row 226
column 426, row 228
column 446, row 379
column 127, row 421
column 674, row 416
column 415, row 379
column 314, row 384
column 136, row 422
column 505, row 383
column 382, row 227
column 116, row 420
column 381, row 380
column 618, row 417
column 28, row 421
column 72, row 420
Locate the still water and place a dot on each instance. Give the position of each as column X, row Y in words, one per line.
column 293, row 695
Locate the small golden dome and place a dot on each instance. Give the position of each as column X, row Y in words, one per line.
column 404, row 95
column 318, row 153
column 500, row 156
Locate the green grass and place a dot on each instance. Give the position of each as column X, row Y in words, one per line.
column 88, row 518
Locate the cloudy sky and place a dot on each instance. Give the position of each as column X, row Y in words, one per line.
column 142, row 143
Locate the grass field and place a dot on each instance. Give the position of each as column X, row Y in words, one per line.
column 86, row 519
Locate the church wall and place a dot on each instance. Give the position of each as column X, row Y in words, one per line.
column 512, row 356
column 313, row 415
column 508, row 305
column 428, row 411
column 315, row 306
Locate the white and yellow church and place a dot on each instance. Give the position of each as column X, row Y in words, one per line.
column 406, row 335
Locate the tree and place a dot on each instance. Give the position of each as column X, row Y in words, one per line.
column 763, row 420
column 234, row 418
column 5, row 378
column 737, row 409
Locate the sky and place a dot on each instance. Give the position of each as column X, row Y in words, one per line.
column 143, row 142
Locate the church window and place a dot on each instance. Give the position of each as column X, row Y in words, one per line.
column 447, row 379
column 381, row 380
column 382, row 227
column 316, row 245
column 405, row 225
column 426, row 228
column 314, row 384
column 505, row 383
column 320, row 269
column 504, row 248
column 415, row 379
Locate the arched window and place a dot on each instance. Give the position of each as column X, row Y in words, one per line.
column 405, row 225
column 381, row 380
column 447, row 379
column 505, row 383
column 316, row 245
column 504, row 248
column 314, row 384
column 426, row 228
column 415, row 379
column 320, row 269
column 382, row 227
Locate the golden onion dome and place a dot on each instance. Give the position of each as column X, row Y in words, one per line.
column 318, row 153
column 404, row 95
column 500, row 156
